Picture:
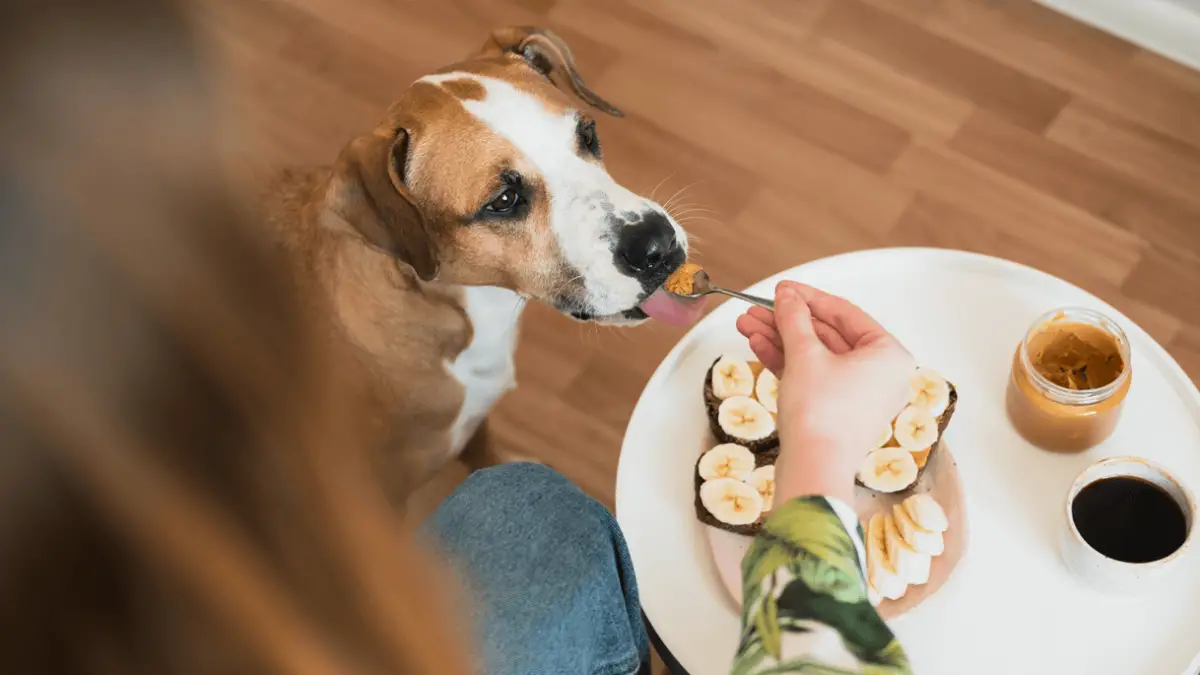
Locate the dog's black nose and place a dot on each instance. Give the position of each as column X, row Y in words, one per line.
column 647, row 245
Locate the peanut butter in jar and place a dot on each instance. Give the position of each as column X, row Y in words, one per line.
column 1070, row 376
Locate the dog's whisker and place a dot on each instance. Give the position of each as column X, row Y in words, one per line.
column 689, row 212
column 624, row 335
column 660, row 184
column 672, row 198
column 684, row 206
column 691, row 205
column 684, row 212
column 679, row 193
column 701, row 217
column 564, row 285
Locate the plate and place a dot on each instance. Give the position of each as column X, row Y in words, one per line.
column 1011, row 605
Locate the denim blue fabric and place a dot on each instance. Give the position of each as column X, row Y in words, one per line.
column 548, row 573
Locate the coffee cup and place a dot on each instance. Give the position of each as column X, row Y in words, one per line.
column 1128, row 522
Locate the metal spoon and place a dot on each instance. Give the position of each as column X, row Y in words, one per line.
column 701, row 286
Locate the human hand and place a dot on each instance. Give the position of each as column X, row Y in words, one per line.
column 843, row 377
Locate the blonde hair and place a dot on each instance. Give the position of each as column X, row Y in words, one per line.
column 181, row 486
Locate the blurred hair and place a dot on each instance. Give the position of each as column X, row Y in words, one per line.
column 180, row 485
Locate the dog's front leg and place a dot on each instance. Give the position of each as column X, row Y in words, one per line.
column 479, row 452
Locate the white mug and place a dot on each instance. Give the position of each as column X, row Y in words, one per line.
column 1116, row 576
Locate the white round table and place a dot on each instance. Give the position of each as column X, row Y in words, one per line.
column 1011, row 606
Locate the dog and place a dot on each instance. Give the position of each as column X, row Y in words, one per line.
column 483, row 187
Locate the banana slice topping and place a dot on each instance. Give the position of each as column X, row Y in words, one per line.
column 763, row 480
column 926, row 512
column 766, row 390
column 744, row 418
column 888, row 470
column 727, row 460
column 731, row 377
column 930, row 391
column 885, row 437
column 731, row 501
column 921, row 539
column 915, row 428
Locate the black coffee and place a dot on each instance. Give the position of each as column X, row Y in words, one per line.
column 1129, row 519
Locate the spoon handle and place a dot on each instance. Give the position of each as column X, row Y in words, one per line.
column 752, row 299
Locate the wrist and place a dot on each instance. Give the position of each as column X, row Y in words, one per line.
column 815, row 467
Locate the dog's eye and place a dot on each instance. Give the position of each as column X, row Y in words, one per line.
column 505, row 203
column 588, row 142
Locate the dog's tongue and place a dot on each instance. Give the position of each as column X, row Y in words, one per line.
column 672, row 309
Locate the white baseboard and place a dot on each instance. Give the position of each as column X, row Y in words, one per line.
column 1161, row 26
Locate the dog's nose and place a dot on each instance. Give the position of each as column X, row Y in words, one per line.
column 644, row 247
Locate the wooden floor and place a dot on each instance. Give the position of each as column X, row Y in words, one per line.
column 813, row 126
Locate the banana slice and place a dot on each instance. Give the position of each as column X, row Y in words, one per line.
column 873, row 595
column 912, row 567
column 916, row 428
column 888, row 470
column 763, row 480
column 924, row 541
column 930, row 391
column 885, row 437
column 727, row 460
column 766, row 390
column 919, row 573
column 926, row 512
column 731, row 501
column 732, row 377
column 744, row 418
column 880, row 574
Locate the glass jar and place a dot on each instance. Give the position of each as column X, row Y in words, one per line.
column 1053, row 400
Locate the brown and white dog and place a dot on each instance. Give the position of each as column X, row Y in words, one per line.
column 483, row 187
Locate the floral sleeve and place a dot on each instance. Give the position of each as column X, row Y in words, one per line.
column 806, row 607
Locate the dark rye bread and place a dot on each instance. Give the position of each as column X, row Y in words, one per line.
column 943, row 422
column 712, row 404
column 766, row 458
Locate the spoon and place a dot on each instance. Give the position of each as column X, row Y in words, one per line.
column 702, row 286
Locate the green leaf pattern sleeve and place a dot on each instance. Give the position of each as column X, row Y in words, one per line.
column 805, row 607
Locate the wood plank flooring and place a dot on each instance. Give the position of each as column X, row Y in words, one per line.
column 818, row 126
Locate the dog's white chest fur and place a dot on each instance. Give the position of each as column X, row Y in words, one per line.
column 485, row 368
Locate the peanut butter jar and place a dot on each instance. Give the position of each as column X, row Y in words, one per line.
column 1070, row 376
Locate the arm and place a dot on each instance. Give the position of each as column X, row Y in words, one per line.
column 805, row 607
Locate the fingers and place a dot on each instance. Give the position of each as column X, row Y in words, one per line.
column 751, row 324
column 761, row 321
column 767, row 352
column 854, row 325
column 762, row 314
column 759, row 329
column 794, row 321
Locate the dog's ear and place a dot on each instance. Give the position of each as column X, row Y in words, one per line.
column 370, row 194
column 548, row 54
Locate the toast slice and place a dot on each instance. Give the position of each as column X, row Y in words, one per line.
column 765, row 458
column 923, row 459
column 712, row 404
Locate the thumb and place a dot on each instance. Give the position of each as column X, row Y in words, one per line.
column 794, row 319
